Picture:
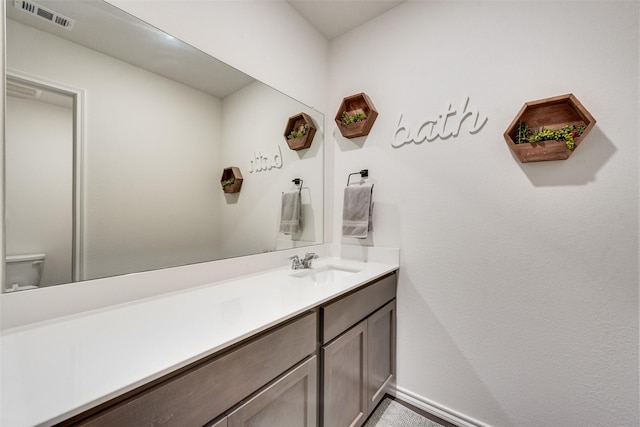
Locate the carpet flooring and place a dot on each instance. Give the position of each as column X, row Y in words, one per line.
column 393, row 414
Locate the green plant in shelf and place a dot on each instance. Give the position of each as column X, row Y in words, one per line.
column 347, row 118
column 302, row 131
column 567, row 134
column 522, row 133
column 228, row 182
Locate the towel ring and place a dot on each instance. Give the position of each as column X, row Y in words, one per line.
column 364, row 173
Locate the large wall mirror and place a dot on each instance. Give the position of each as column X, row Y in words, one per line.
column 116, row 139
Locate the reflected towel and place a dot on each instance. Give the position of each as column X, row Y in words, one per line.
column 356, row 211
column 291, row 214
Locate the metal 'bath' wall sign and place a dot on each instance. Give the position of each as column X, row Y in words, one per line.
column 445, row 126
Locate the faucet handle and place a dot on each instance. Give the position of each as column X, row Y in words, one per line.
column 296, row 263
column 308, row 258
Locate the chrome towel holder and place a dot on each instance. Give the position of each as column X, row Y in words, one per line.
column 364, row 173
column 298, row 181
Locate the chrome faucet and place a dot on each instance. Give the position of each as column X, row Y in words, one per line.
column 308, row 259
column 298, row 264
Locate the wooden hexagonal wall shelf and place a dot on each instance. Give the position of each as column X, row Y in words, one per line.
column 299, row 131
column 356, row 116
column 231, row 180
column 549, row 129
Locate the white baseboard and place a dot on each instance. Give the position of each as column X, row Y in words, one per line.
column 434, row 408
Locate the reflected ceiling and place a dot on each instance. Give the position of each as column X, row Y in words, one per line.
column 166, row 59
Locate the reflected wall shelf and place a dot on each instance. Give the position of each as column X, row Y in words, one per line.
column 231, row 180
column 302, row 125
column 356, row 104
column 551, row 113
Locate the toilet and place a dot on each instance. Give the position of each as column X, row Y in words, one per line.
column 23, row 272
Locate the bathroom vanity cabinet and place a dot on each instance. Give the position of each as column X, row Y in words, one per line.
column 328, row 366
column 358, row 352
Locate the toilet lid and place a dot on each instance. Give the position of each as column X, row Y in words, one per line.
column 29, row 257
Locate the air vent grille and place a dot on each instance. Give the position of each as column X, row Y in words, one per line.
column 44, row 13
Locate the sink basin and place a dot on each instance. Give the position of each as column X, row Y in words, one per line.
column 325, row 273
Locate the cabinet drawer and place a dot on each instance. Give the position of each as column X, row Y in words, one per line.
column 200, row 394
column 340, row 315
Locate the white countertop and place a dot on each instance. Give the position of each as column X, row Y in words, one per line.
column 53, row 370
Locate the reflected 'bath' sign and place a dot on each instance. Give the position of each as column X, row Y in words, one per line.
column 262, row 163
column 446, row 125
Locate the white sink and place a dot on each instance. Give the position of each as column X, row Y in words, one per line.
column 325, row 273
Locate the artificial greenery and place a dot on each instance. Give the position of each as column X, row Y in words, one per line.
column 567, row 134
column 228, row 182
column 302, row 131
column 347, row 118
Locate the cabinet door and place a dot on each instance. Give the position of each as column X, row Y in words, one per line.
column 344, row 379
column 381, row 332
column 290, row 401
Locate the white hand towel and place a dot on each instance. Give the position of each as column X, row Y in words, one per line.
column 291, row 214
column 356, row 211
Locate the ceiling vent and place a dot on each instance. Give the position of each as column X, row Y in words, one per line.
column 44, row 13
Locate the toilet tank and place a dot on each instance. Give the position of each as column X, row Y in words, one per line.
column 23, row 271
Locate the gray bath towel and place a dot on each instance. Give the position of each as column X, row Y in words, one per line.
column 356, row 211
column 291, row 214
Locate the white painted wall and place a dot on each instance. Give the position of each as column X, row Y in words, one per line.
column 137, row 207
column 253, row 125
column 39, row 176
column 518, row 290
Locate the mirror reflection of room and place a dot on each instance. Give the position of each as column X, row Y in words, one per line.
column 39, row 192
column 134, row 183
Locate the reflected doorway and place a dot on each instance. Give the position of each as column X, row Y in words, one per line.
column 42, row 197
